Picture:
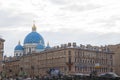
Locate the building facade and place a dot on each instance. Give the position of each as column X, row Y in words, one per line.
column 34, row 58
column 69, row 60
column 1, row 52
column 116, row 57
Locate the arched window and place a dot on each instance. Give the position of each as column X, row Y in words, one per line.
column 16, row 54
column 20, row 54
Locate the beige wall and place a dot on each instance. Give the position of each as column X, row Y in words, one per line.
column 42, row 62
column 116, row 57
column 67, row 60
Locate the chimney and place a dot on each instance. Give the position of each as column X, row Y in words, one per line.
column 69, row 44
column 74, row 44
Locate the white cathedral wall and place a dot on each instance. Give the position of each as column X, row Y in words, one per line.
column 18, row 52
column 29, row 48
column 39, row 50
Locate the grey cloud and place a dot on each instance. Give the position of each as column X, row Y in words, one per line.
column 109, row 38
column 60, row 2
column 11, row 40
column 112, row 18
column 109, row 22
column 68, row 2
column 76, row 7
column 81, row 37
column 8, row 19
column 0, row 36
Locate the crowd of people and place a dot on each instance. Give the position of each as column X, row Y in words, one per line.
column 22, row 75
column 27, row 78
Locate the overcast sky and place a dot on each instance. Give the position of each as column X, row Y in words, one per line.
column 95, row 22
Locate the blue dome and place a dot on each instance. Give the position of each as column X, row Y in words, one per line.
column 19, row 47
column 39, row 46
column 34, row 37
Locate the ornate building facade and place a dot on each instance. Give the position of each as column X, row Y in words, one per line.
column 1, row 52
column 34, row 58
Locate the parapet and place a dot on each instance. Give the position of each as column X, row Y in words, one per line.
column 84, row 47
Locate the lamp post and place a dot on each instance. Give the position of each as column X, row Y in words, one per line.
column 10, row 73
column 21, row 72
column 32, row 67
